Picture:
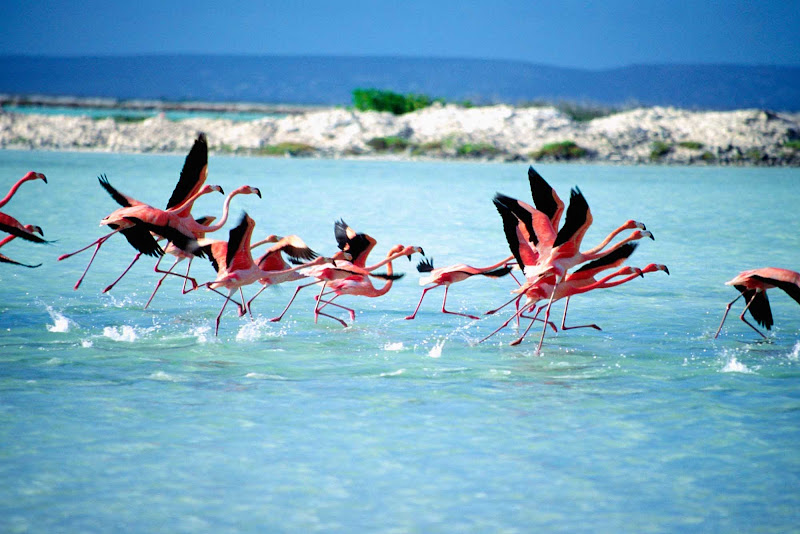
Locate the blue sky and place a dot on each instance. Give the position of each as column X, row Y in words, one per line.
column 570, row 33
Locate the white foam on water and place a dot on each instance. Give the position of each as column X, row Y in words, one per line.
column 436, row 350
column 264, row 376
column 163, row 377
column 257, row 329
column 54, row 361
column 393, row 346
column 201, row 333
column 60, row 322
column 393, row 373
column 795, row 354
column 735, row 366
column 122, row 333
column 87, row 343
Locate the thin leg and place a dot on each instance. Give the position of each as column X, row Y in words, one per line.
column 224, row 303
column 187, row 278
column 160, row 281
column 746, row 321
column 419, row 303
column 547, row 315
column 254, row 298
column 226, row 297
column 98, row 241
column 444, row 301
column 169, row 272
column 516, row 315
column 316, row 303
column 243, row 309
column 317, row 308
column 112, row 284
column 86, row 270
column 517, row 298
column 727, row 309
column 296, row 291
column 525, row 333
column 564, row 319
column 350, row 311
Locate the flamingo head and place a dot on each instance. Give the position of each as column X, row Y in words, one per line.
column 34, row 229
column 406, row 251
column 247, row 190
column 272, row 238
column 643, row 233
column 631, row 224
column 206, row 189
column 653, row 267
column 31, row 175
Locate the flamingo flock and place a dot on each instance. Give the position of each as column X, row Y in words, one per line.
column 549, row 254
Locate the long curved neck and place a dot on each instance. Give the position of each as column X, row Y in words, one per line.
column 7, row 239
column 188, row 203
column 606, row 282
column 498, row 264
column 604, row 243
column 598, row 253
column 13, row 190
column 385, row 289
column 222, row 220
column 388, row 260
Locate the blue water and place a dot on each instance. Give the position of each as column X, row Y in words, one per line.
column 116, row 418
column 133, row 114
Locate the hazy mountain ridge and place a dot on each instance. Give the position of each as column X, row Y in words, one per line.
column 330, row 80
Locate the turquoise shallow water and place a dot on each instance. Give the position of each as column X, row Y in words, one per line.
column 116, row 418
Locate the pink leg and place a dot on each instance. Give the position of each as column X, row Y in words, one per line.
column 564, row 319
column 350, row 311
column 242, row 309
column 187, row 278
column 547, row 316
column 98, row 241
column 158, row 284
column 746, row 321
column 516, row 315
column 86, row 270
column 224, row 303
column 226, row 297
column 254, row 298
column 112, row 284
column 444, row 301
column 296, row 291
column 169, row 272
column 517, row 298
column 727, row 309
column 419, row 303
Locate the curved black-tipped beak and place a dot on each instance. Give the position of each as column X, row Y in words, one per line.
column 421, row 251
column 44, row 179
column 666, row 270
column 39, row 230
column 222, row 191
column 258, row 192
column 652, row 237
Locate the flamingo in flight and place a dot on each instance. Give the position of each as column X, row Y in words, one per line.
column 753, row 286
column 5, row 259
column 30, row 175
column 236, row 268
column 354, row 247
column 135, row 220
column 444, row 276
column 358, row 285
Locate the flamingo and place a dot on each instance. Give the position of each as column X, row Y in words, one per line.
column 239, row 269
column 360, row 285
column 564, row 253
column 192, row 177
column 12, row 226
column 5, row 259
column 197, row 229
column 125, row 219
column 753, row 286
column 569, row 287
column 273, row 260
column 444, row 276
column 354, row 247
column 30, row 175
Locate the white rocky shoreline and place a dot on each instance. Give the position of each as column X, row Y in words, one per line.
column 500, row 133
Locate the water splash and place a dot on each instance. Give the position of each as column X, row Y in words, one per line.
column 201, row 333
column 257, row 329
column 87, row 343
column 60, row 323
column 123, row 333
column 436, row 350
column 394, row 346
column 735, row 366
column 795, row 354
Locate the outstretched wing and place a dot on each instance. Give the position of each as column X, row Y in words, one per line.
column 758, row 306
column 545, row 197
column 577, row 221
column 193, row 174
column 358, row 245
column 6, row 259
column 123, row 200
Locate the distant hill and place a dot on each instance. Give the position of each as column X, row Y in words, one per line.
column 330, row 80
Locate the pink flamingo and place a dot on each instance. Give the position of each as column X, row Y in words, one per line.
column 273, row 260
column 12, row 226
column 30, row 175
column 239, row 269
column 444, row 276
column 354, row 247
column 359, row 285
column 125, row 219
column 5, row 259
column 753, row 286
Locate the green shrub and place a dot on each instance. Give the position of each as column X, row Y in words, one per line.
column 282, row 149
column 391, row 144
column 794, row 144
column 708, row 156
column 377, row 100
column 692, row 145
column 753, row 154
column 659, row 150
column 559, row 151
column 477, row 150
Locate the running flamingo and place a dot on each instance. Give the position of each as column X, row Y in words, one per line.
column 238, row 268
column 753, row 286
column 444, row 276
column 30, row 175
column 5, row 259
column 359, row 285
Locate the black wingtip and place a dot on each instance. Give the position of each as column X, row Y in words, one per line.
column 425, row 265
